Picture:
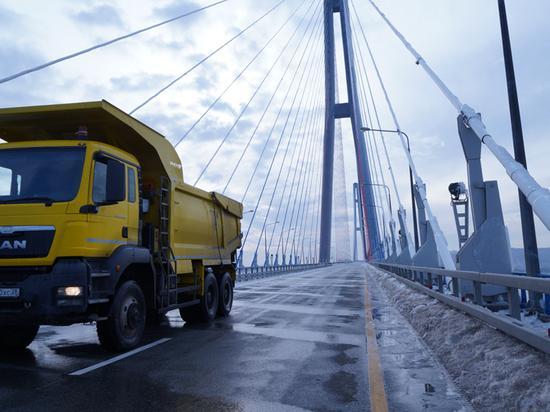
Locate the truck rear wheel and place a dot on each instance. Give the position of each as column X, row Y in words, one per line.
column 207, row 309
column 17, row 337
column 226, row 295
column 124, row 328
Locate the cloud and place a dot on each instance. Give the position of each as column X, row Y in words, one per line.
column 142, row 82
column 8, row 18
column 101, row 15
column 128, row 72
column 178, row 8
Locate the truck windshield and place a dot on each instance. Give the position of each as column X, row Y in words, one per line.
column 42, row 174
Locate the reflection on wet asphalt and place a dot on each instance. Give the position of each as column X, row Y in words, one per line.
column 292, row 342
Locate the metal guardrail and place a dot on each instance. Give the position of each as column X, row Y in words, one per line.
column 258, row 272
column 432, row 281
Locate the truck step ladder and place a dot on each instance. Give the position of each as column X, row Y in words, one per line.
column 167, row 261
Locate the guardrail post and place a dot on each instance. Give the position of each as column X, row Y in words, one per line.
column 456, row 287
column 514, row 303
column 523, row 298
column 440, row 283
column 478, row 297
column 430, row 281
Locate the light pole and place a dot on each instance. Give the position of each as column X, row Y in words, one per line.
column 530, row 248
column 383, row 224
column 411, row 182
column 383, row 218
column 267, row 260
column 240, row 258
column 284, row 248
column 303, row 241
column 387, row 191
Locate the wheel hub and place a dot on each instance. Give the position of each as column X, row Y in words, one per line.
column 133, row 316
column 226, row 294
column 209, row 297
column 130, row 317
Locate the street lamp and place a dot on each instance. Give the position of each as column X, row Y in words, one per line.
column 303, row 241
column 267, row 260
column 391, row 211
column 284, row 245
column 383, row 227
column 413, row 204
column 387, row 191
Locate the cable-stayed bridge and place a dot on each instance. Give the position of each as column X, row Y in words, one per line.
column 314, row 104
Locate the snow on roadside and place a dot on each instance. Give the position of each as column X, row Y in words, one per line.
column 495, row 372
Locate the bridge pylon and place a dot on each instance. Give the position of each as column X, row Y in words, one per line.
column 335, row 110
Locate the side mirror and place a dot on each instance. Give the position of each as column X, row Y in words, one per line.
column 115, row 190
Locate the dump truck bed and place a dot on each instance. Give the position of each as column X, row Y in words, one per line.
column 205, row 226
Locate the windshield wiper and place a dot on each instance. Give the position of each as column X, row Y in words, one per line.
column 37, row 199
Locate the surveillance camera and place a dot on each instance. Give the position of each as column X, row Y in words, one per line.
column 457, row 189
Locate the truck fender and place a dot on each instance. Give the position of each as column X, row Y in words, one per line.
column 123, row 257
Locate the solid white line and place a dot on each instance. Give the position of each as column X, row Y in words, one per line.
column 117, row 358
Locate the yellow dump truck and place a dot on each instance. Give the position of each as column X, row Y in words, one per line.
column 97, row 224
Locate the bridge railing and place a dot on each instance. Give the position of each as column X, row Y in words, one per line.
column 245, row 273
column 433, row 282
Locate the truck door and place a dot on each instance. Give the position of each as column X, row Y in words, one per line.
column 133, row 205
column 109, row 226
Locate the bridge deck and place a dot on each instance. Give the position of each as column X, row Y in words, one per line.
column 295, row 341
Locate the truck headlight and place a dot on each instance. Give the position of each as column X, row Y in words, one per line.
column 70, row 291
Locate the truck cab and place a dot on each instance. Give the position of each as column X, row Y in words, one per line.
column 87, row 199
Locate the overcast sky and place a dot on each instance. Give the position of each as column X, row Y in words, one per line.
column 461, row 41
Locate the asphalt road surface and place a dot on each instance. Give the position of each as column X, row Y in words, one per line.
column 293, row 342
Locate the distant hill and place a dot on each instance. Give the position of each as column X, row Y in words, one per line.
column 518, row 260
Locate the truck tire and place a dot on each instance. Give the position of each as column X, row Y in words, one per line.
column 226, row 295
column 17, row 337
column 207, row 309
column 124, row 328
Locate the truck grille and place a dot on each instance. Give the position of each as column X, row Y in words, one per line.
column 25, row 241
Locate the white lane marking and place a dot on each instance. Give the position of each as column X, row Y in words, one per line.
column 119, row 357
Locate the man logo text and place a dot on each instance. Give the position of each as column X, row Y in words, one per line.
column 16, row 244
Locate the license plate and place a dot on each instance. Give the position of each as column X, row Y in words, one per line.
column 9, row 292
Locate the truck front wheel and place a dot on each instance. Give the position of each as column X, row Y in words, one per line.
column 16, row 337
column 124, row 328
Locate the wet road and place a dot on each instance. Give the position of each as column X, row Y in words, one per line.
column 292, row 342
